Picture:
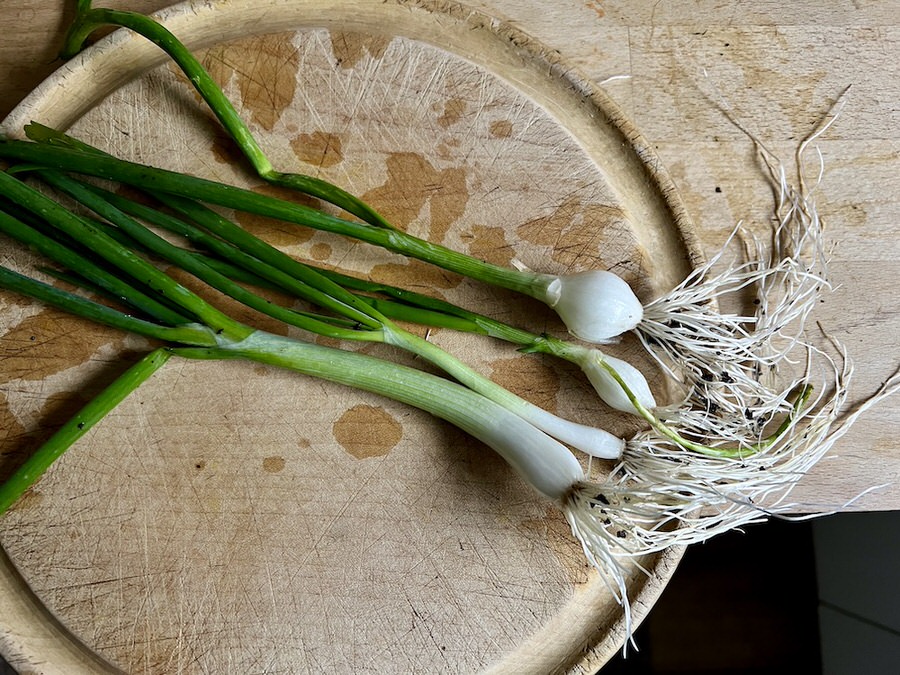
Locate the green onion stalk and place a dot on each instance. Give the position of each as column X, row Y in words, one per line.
column 603, row 371
column 617, row 381
column 374, row 327
column 595, row 305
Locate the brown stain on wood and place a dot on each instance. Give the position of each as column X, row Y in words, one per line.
column 320, row 251
column 416, row 275
column 50, row 342
column 273, row 464
column 596, row 7
column 501, row 129
column 367, row 431
column 12, row 439
column 349, row 48
column 265, row 71
column 578, row 233
column 530, row 378
column 489, row 243
column 224, row 148
column 319, row 148
column 454, row 109
column 412, row 182
column 276, row 232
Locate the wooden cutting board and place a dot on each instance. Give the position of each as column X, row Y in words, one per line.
column 234, row 518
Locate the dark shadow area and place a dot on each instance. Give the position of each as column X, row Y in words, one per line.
column 741, row 604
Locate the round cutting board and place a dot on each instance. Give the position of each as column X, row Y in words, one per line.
column 230, row 517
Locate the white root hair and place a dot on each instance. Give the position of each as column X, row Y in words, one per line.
column 661, row 495
column 729, row 364
column 742, row 374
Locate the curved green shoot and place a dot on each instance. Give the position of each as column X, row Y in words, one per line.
column 799, row 397
column 89, row 19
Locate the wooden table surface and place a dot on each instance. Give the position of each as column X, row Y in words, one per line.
column 779, row 66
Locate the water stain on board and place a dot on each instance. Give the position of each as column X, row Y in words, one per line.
column 273, row 464
column 501, row 129
column 412, row 182
column 12, row 440
column 415, row 275
column 224, row 148
column 597, row 7
column 454, row 109
column 50, row 342
column 350, row 48
column 367, row 431
column 319, row 149
column 489, row 244
column 320, row 251
column 265, row 71
column 578, row 233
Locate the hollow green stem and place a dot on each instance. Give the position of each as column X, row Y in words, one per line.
column 129, row 262
column 221, row 194
column 190, row 334
column 76, row 427
column 315, row 287
column 593, row 441
column 103, row 279
column 242, row 266
column 194, row 265
column 436, row 312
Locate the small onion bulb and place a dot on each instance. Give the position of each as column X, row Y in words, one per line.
column 595, row 305
column 609, row 389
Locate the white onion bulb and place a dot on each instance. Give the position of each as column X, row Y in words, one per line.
column 595, row 305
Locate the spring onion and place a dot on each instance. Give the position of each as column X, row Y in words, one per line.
column 613, row 378
column 604, row 372
column 593, row 441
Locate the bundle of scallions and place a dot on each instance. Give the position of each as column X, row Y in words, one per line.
column 725, row 454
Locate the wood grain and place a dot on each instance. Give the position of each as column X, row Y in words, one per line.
column 778, row 65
